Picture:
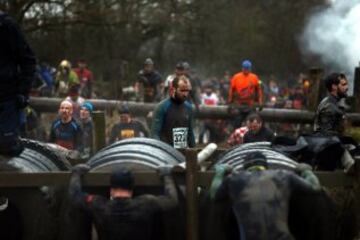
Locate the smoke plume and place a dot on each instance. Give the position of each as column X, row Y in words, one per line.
column 333, row 33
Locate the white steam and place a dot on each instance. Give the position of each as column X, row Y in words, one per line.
column 334, row 34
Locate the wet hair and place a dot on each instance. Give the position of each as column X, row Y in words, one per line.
column 254, row 116
column 333, row 78
column 122, row 178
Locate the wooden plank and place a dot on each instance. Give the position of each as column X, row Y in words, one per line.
column 93, row 179
column 327, row 179
column 98, row 179
column 42, row 104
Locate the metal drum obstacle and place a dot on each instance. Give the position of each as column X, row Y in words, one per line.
column 40, row 157
column 39, row 208
column 135, row 154
column 236, row 155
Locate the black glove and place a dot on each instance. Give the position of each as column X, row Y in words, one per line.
column 81, row 168
column 22, row 101
column 165, row 170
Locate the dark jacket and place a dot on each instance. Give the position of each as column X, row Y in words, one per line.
column 124, row 218
column 17, row 61
column 173, row 123
column 263, row 135
column 150, row 81
column 122, row 131
column 68, row 135
column 263, row 201
column 329, row 118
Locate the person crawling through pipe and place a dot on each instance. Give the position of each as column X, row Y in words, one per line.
column 262, row 199
column 123, row 216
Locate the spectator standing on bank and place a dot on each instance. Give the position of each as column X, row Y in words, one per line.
column 330, row 115
column 245, row 87
column 17, row 72
column 194, row 84
column 178, row 72
column 237, row 137
column 76, row 100
column 47, row 88
column 245, row 93
column 209, row 98
column 173, row 117
column 87, row 125
column 66, row 131
column 149, row 82
column 258, row 132
column 224, row 86
column 298, row 99
column 85, row 77
column 65, row 79
column 127, row 127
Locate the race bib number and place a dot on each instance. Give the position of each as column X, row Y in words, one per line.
column 180, row 137
column 127, row 133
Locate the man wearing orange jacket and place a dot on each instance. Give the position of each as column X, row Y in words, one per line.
column 245, row 87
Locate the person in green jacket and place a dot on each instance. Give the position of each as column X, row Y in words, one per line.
column 65, row 79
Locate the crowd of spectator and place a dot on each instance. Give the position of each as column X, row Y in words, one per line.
column 75, row 84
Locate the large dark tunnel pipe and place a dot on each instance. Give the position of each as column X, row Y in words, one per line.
column 135, row 154
column 312, row 216
column 40, row 157
column 276, row 160
column 38, row 208
column 140, row 154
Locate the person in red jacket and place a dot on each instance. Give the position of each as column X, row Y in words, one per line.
column 85, row 77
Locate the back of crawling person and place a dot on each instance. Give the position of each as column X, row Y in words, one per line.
column 123, row 216
column 261, row 199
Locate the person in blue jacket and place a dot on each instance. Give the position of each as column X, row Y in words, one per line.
column 173, row 117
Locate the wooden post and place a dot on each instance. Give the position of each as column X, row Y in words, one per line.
column 99, row 127
column 316, row 86
column 192, row 213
